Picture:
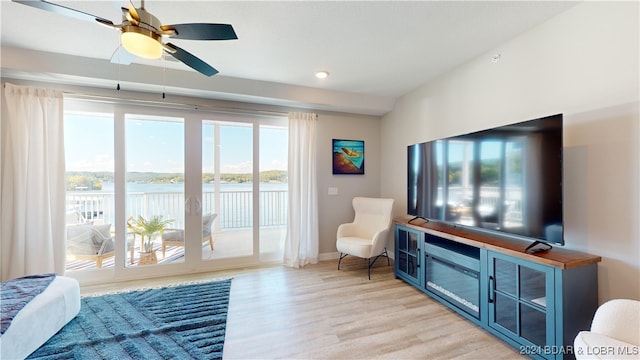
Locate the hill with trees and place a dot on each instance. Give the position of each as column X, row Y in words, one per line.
column 84, row 180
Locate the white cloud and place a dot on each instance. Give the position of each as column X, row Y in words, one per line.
column 275, row 165
column 99, row 162
column 240, row 168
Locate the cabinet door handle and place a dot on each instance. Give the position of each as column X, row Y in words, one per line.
column 492, row 284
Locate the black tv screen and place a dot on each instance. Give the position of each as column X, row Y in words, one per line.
column 506, row 179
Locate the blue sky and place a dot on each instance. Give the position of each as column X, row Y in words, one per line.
column 158, row 146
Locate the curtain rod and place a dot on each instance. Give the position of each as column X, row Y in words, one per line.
column 175, row 105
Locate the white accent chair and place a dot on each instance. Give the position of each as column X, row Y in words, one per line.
column 615, row 332
column 366, row 236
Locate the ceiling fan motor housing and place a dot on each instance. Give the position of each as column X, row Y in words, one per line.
column 141, row 33
column 144, row 38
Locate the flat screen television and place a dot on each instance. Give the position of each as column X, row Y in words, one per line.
column 506, row 179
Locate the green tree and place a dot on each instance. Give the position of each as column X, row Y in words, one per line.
column 490, row 172
column 82, row 182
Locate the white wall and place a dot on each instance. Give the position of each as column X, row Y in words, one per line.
column 337, row 209
column 585, row 64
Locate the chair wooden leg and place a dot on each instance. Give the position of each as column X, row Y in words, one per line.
column 211, row 242
column 164, row 249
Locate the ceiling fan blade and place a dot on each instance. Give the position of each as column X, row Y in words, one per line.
column 201, row 31
column 191, row 60
column 132, row 10
column 122, row 56
column 63, row 10
column 129, row 17
column 131, row 14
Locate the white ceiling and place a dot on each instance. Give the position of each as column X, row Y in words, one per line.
column 381, row 49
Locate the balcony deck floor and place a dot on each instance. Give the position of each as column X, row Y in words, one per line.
column 227, row 244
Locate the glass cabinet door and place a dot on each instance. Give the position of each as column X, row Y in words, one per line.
column 408, row 254
column 518, row 299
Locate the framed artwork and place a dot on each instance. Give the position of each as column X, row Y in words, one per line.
column 348, row 157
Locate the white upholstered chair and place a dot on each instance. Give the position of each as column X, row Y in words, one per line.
column 614, row 333
column 366, row 236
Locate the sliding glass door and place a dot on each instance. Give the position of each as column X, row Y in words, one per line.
column 227, row 174
column 155, row 192
column 214, row 184
column 90, row 162
column 273, row 190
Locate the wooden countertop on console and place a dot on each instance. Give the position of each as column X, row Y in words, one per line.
column 556, row 257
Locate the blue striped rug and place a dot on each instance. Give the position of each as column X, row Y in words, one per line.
column 179, row 322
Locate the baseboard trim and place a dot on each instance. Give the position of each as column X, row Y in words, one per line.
column 328, row 256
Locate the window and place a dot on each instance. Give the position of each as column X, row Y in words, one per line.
column 218, row 182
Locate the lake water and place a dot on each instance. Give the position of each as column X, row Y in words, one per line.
column 107, row 187
column 235, row 211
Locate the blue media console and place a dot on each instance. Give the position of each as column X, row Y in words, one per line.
column 535, row 302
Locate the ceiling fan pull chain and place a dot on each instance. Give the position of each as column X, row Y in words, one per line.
column 164, row 76
column 119, row 66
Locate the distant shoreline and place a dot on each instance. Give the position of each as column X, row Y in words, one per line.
column 94, row 181
column 108, row 187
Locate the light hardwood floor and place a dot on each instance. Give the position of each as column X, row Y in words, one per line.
column 318, row 312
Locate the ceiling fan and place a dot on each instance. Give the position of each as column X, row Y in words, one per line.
column 142, row 33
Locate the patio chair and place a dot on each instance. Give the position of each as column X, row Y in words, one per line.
column 75, row 217
column 90, row 242
column 94, row 242
column 175, row 237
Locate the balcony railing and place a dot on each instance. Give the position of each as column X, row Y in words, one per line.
column 235, row 207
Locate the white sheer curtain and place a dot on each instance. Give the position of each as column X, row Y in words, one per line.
column 301, row 245
column 32, row 202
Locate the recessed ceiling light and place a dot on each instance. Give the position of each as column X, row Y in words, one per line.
column 322, row 74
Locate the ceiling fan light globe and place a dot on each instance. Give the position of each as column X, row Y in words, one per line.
column 141, row 45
